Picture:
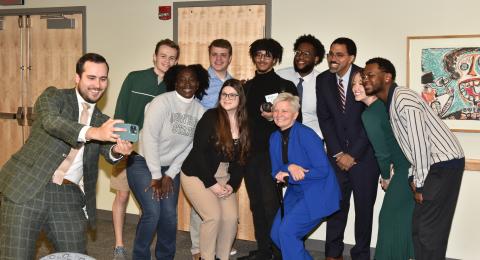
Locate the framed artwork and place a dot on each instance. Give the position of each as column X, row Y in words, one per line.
column 445, row 71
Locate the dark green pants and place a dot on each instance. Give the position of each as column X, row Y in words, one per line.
column 56, row 209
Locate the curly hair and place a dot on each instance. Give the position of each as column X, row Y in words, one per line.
column 224, row 142
column 269, row 45
column 317, row 45
column 171, row 76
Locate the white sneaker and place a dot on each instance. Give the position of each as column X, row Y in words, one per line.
column 233, row 251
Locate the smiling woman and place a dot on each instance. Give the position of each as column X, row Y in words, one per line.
column 213, row 171
column 313, row 193
column 165, row 140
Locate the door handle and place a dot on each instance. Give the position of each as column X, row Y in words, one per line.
column 23, row 116
column 30, row 116
column 19, row 115
column 4, row 115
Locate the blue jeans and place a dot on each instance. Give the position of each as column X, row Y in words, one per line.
column 158, row 217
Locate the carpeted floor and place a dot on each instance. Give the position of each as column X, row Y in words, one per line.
column 101, row 247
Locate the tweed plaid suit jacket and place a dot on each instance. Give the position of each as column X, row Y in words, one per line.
column 54, row 132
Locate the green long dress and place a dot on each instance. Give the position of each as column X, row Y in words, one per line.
column 395, row 220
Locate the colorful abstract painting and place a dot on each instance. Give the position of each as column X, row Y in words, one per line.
column 451, row 81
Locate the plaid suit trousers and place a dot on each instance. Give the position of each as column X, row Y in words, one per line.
column 57, row 209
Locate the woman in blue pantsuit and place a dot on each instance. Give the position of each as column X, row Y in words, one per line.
column 313, row 193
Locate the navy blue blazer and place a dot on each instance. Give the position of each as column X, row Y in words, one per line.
column 343, row 132
column 320, row 186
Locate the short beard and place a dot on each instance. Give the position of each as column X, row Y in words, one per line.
column 306, row 70
column 86, row 98
column 372, row 92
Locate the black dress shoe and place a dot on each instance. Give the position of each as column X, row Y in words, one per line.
column 256, row 255
column 246, row 257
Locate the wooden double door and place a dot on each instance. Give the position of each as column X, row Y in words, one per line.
column 196, row 26
column 37, row 50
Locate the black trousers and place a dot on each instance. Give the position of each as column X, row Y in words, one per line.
column 433, row 218
column 264, row 203
column 362, row 181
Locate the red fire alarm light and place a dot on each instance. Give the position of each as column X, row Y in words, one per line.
column 164, row 12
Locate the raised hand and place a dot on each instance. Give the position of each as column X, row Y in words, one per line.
column 106, row 132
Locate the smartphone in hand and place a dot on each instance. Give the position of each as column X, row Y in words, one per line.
column 131, row 134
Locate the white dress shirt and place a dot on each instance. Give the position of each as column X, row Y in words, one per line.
column 309, row 97
column 75, row 172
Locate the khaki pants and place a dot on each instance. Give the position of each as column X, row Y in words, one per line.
column 219, row 215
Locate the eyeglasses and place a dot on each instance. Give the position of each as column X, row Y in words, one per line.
column 263, row 55
column 229, row 96
column 338, row 55
column 303, row 53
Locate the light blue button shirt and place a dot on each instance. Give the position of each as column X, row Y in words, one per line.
column 210, row 99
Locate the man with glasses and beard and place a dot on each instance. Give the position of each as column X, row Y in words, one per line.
column 309, row 52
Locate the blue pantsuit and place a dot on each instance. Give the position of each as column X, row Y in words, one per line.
column 288, row 233
column 308, row 201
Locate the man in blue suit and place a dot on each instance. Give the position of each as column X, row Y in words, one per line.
column 348, row 149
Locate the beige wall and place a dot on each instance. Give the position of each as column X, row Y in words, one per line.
column 125, row 32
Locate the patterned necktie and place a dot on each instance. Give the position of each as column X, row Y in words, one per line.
column 300, row 89
column 59, row 174
column 341, row 93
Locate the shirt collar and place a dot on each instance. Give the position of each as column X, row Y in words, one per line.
column 308, row 77
column 213, row 75
column 346, row 77
column 184, row 100
column 80, row 100
column 390, row 96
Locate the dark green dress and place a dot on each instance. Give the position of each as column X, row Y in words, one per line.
column 395, row 220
